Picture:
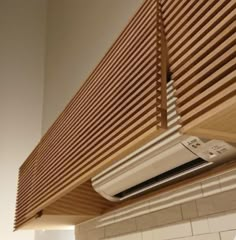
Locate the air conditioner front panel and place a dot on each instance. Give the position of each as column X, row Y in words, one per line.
column 150, row 167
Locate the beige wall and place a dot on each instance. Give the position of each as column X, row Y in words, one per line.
column 79, row 34
column 22, row 39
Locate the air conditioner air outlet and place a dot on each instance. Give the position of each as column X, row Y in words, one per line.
column 163, row 178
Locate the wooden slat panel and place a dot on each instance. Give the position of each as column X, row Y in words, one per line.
column 81, row 201
column 202, row 57
column 218, row 124
column 120, row 107
column 122, row 104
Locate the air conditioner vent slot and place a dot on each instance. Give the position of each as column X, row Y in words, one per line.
column 164, row 178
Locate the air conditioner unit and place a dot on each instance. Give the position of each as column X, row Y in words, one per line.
column 168, row 157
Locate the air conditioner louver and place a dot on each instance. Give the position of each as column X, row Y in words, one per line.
column 163, row 178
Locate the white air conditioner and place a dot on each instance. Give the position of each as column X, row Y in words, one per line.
column 168, row 157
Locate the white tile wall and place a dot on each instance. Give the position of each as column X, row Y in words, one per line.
column 202, row 211
column 177, row 230
column 229, row 235
column 222, row 222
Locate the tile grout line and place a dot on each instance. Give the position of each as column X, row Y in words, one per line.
column 191, row 226
column 220, row 236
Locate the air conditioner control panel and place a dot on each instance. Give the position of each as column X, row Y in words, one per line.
column 212, row 150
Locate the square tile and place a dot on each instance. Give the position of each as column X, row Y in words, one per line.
column 96, row 234
column 177, row 230
column 168, row 215
column 200, row 226
column 81, row 236
column 147, row 235
column 119, row 228
column 222, row 222
column 146, row 221
column 217, row 203
column 189, row 210
column 229, row 235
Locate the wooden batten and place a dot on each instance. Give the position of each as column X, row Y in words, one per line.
column 120, row 107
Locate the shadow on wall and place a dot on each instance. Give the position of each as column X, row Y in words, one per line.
column 55, row 235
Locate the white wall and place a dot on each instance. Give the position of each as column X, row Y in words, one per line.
column 22, row 39
column 79, row 34
column 55, row 235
